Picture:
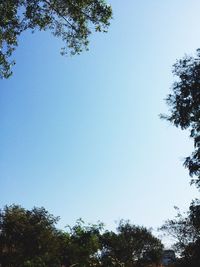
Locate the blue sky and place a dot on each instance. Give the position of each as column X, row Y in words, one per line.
column 81, row 135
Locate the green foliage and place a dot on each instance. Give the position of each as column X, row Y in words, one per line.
column 185, row 229
column 184, row 105
column 29, row 238
column 70, row 20
column 130, row 246
column 82, row 245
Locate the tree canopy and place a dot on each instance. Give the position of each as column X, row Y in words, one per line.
column 184, row 103
column 81, row 245
column 29, row 238
column 72, row 21
column 131, row 246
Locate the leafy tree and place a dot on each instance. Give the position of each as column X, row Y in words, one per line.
column 184, row 105
column 28, row 238
column 130, row 246
column 185, row 229
column 70, row 20
column 81, row 245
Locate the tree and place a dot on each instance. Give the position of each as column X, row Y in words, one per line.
column 81, row 244
column 185, row 229
column 184, row 105
column 70, row 20
column 28, row 238
column 130, row 246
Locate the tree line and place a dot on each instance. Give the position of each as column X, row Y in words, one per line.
column 30, row 238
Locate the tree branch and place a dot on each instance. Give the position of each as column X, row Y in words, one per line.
column 63, row 17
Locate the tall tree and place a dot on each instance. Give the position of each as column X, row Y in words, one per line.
column 184, row 104
column 130, row 246
column 71, row 20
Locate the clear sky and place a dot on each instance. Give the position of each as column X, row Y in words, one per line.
column 81, row 135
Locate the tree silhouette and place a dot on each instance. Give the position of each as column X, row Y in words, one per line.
column 184, row 104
